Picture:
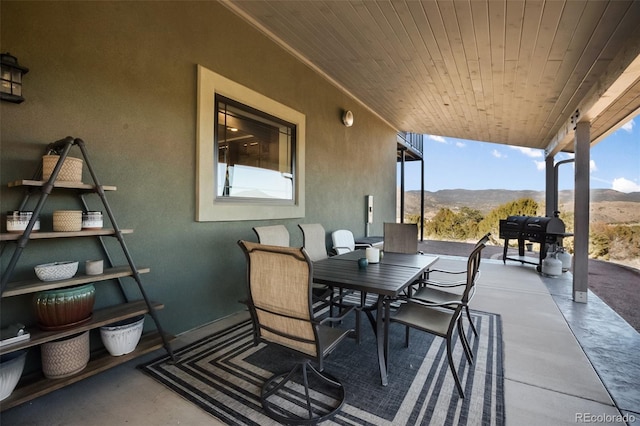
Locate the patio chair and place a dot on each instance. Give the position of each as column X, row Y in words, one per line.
column 279, row 283
column 401, row 237
column 273, row 235
column 313, row 241
column 443, row 318
column 435, row 289
column 343, row 242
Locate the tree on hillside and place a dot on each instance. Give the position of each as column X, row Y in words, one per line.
column 520, row 207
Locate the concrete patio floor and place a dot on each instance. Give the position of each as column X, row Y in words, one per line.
column 565, row 363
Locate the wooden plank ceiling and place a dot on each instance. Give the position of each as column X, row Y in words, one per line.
column 511, row 72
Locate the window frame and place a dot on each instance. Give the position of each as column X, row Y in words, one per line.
column 211, row 208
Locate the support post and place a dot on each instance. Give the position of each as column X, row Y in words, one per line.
column 551, row 187
column 402, row 165
column 581, row 212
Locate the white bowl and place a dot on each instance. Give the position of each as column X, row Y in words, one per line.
column 56, row 270
column 11, row 366
column 122, row 338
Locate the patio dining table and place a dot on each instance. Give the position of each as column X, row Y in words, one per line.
column 386, row 279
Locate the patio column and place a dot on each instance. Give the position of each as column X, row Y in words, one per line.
column 581, row 212
column 550, row 187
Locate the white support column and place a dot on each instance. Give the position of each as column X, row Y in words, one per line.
column 581, row 212
column 550, row 187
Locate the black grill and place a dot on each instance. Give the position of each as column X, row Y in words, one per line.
column 542, row 230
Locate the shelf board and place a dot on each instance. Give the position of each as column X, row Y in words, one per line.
column 17, row 288
column 100, row 317
column 39, row 235
column 60, row 184
column 32, row 387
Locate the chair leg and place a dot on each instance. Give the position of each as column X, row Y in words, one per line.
column 473, row 327
column 452, row 367
column 282, row 387
column 465, row 342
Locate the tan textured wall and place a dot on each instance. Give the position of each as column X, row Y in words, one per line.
column 122, row 76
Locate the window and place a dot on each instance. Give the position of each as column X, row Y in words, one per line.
column 250, row 159
column 255, row 153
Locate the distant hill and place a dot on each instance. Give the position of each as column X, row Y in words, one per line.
column 607, row 205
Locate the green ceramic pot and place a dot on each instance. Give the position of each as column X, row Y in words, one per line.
column 65, row 307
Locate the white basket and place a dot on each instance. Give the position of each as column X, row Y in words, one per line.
column 123, row 337
column 56, row 270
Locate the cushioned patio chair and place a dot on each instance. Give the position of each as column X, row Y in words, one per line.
column 279, row 283
column 443, row 318
column 344, row 242
column 273, row 235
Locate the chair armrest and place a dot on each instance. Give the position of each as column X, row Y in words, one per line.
column 340, row 316
column 436, row 283
column 446, row 272
column 446, row 304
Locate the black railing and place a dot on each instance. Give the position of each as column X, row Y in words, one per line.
column 412, row 142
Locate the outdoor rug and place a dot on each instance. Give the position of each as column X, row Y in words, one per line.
column 223, row 374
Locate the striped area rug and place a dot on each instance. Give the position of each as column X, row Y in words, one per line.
column 223, row 374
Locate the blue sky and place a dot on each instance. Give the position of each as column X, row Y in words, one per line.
column 461, row 164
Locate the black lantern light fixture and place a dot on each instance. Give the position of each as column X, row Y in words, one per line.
column 11, row 89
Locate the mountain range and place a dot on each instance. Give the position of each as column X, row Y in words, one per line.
column 607, row 205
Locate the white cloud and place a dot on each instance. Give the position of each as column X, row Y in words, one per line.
column 625, row 185
column 461, row 144
column 437, row 138
column 529, row 152
column 540, row 165
column 592, row 166
column 497, row 154
column 628, row 126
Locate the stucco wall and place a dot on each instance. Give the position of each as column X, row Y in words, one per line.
column 122, row 76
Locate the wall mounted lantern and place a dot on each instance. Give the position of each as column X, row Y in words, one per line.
column 11, row 89
column 347, row 118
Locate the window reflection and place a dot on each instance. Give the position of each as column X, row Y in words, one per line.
column 255, row 153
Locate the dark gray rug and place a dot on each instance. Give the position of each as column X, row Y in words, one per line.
column 223, row 374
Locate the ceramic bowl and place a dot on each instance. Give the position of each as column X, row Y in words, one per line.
column 11, row 366
column 64, row 307
column 122, row 337
column 56, row 270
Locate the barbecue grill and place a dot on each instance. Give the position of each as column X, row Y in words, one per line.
column 542, row 230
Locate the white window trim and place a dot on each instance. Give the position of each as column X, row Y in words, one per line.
column 208, row 208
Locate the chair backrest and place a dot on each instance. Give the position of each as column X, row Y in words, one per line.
column 279, row 296
column 473, row 267
column 343, row 241
column 274, row 235
column 484, row 240
column 401, row 237
column 314, row 240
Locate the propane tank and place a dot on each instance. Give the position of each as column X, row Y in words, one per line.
column 565, row 258
column 551, row 266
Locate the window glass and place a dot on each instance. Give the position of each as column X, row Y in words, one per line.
column 255, row 153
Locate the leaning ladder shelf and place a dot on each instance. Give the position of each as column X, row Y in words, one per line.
column 36, row 384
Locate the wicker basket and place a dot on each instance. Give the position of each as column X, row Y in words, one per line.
column 71, row 170
column 67, row 220
column 62, row 358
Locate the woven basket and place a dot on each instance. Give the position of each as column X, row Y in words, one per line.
column 71, row 170
column 62, row 358
column 67, row 220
